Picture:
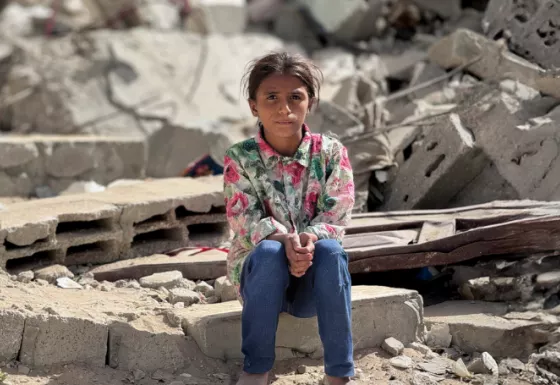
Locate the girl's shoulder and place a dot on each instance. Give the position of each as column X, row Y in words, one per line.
column 243, row 148
column 326, row 142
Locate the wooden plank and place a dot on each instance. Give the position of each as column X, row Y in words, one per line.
column 436, row 230
column 522, row 237
column 466, row 217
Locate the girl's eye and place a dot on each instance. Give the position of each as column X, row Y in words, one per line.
column 296, row 97
column 271, row 97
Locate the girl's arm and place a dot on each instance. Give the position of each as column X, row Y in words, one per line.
column 335, row 204
column 244, row 211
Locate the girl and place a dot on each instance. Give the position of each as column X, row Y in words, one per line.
column 289, row 195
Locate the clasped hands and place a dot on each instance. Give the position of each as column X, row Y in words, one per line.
column 299, row 250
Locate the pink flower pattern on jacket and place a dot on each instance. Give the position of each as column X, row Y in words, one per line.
column 266, row 193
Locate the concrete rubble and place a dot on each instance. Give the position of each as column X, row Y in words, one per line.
column 110, row 259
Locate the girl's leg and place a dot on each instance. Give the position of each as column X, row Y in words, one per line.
column 331, row 289
column 264, row 281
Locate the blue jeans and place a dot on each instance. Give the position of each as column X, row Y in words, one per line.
column 267, row 289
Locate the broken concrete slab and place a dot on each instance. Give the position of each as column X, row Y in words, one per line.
column 149, row 344
column 11, row 333
column 490, row 60
column 480, row 326
column 378, row 312
column 51, row 340
column 207, row 265
column 225, row 290
column 448, row 9
column 168, row 280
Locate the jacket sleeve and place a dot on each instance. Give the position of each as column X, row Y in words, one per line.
column 335, row 204
column 245, row 214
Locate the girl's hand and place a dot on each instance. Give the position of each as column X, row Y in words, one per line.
column 299, row 261
column 307, row 241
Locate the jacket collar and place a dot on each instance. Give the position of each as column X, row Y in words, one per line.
column 271, row 157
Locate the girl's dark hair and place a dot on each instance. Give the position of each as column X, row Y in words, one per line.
column 283, row 63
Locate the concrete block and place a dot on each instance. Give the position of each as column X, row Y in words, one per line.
column 149, row 344
column 446, row 161
column 480, row 327
column 349, row 20
column 52, row 340
column 496, row 62
column 217, row 16
column 532, row 28
column 11, row 334
column 378, row 313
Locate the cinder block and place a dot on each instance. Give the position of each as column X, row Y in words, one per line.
column 148, row 344
column 447, row 160
column 52, row 340
column 11, row 334
column 533, row 28
column 377, row 313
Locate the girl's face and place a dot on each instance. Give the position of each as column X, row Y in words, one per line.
column 281, row 104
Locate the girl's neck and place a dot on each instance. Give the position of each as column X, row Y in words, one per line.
column 286, row 146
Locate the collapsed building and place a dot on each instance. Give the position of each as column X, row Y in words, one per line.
column 450, row 111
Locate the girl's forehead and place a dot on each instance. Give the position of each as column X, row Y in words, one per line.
column 281, row 82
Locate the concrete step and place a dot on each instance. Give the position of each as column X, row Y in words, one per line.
column 378, row 313
column 119, row 223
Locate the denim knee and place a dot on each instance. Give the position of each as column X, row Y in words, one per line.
column 330, row 262
column 271, row 253
column 327, row 250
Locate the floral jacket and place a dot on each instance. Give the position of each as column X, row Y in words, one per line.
column 265, row 193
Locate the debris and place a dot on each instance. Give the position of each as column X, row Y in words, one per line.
column 401, row 362
column 548, row 280
column 26, row 276
column 186, row 296
column 83, row 187
column 420, row 348
column 225, row 290
column 301, row 369
column 67, row 283
column 217, row 17
column 460, row 370
column 438, row 336
column 52, row 273
column 393, row 346
column 513, row 364
column 419, row 378
column 204, row 288
column 22, row 369
column 167, row 280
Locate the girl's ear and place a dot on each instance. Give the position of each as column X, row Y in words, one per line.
column 312, row 103
column 253, row 107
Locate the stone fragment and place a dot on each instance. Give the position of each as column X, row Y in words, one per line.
column 52, row 273
column 81, row 187
column 438, row 336
column 301, row 369
column 460, row 369
column 11, row 334
column 490, row 363
column 169, row 280
column 437, row 366
column 217, row 17
column 204, row 288
column 67, row 283
column 225, row 290
column 25, row 276
column 393, row 346
column 421, row 348
column 6, row 52
column 186, row 296
column 464, row 46
column 24, row 370
column 57, row 340
column 160, row 15
column 401, row 362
